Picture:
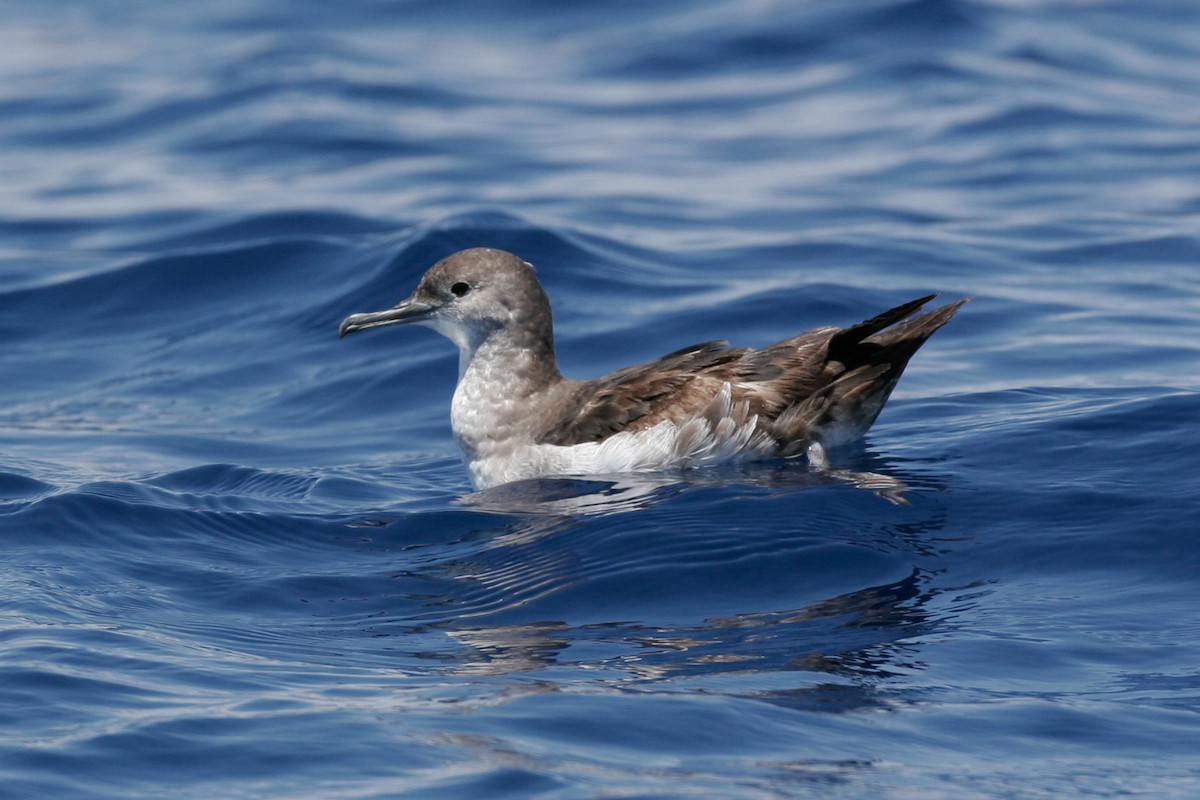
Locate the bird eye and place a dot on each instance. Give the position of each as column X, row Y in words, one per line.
column 460, row 288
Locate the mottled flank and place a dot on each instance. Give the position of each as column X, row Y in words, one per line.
column 516, row 416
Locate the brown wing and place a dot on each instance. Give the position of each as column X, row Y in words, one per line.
column 862, row 365
column 642, row 395
column 795, row 386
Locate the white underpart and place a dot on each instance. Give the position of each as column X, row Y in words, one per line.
column 712, row 437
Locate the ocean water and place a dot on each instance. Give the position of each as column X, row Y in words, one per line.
column 240, row 558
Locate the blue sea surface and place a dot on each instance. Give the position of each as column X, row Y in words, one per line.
column 240, row 558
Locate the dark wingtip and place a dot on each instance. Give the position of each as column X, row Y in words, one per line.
column 951, row 308
column 885, row 320
column 894, row 325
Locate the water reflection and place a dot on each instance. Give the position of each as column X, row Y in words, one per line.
column 834, row 656
column 612, row 494
column 747, row 582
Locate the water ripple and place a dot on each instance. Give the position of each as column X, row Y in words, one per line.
column 242, row 558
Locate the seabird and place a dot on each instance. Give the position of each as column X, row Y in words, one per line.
column 515, row 416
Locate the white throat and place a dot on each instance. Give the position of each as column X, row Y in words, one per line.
column 468, row 337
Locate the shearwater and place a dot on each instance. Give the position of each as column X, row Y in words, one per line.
column 515, row 416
